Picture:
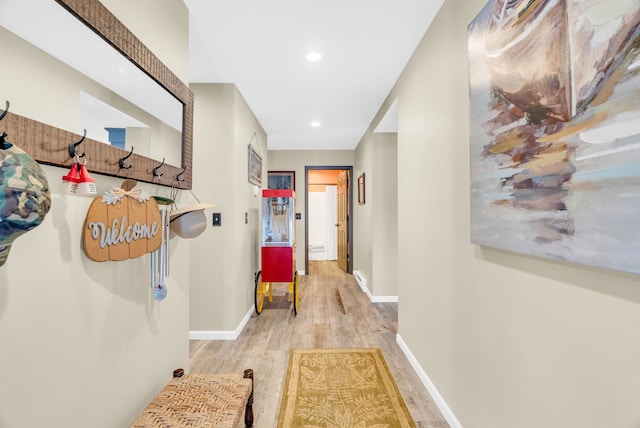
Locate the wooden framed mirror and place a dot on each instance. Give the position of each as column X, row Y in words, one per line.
column 49, row 144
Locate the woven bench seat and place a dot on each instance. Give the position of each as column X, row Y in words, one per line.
column 203, row 401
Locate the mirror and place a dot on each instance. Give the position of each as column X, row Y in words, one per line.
column 130, row 92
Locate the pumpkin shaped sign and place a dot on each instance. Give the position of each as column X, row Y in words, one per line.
column 123, row 224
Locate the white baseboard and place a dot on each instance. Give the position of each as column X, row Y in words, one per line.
column 362, row 282
column 431, row 388
column 222, row 335
column 383, row 299
column 321, row 255
column 301, row 272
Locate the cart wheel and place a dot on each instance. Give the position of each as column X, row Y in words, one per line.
column 260, row 292
column 296, row 292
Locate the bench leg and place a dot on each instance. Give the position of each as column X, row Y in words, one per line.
column 248, row 413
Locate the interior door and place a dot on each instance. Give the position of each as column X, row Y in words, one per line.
column 343, row 218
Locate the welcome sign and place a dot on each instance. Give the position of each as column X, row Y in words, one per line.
column 123, row 224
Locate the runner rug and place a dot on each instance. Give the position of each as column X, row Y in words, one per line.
column 341, row 388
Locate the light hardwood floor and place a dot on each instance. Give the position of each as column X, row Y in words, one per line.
column 333, row 313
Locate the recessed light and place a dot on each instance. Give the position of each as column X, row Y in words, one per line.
column 314, row 57
column 315, row 124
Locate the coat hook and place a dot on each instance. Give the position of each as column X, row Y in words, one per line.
column 73, row 147
column 155, row 170
column 6, row 110
column 180, row 173
column 4, row 145
column 121, row 161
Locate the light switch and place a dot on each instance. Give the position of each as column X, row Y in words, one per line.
column 217, row 219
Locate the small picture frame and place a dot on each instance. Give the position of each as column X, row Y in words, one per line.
column 255, row 167
column 361, row 189
column 281, row 180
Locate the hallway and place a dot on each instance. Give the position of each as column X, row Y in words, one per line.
column 333, row 313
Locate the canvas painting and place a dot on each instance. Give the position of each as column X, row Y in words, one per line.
column 555, row 129
column 255, row 167
column 281, row 180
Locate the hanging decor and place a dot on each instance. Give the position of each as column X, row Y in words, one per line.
column 187, row 221
column 86, row 185
column 78, row 181
column 255, row 162
column 555, row 129
column 71, row 180
column 25, row 198
column 160, row 259
column 123, row 224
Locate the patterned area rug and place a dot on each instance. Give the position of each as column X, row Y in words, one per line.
column 341, row 388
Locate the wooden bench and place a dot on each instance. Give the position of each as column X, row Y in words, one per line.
column 201, row 400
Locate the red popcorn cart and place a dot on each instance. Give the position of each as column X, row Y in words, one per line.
column 278, row 247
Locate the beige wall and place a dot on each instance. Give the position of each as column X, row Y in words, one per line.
column 508, row 340
column 363, row 214
column 296, row 160
column 83, row 343
column 376, row 222
column 382, row 191
column 224, row 259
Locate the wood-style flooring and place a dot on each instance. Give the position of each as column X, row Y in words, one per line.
column 333, row 313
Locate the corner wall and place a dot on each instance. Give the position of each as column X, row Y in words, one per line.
column 83, row 343
column 507, row 339
column 224, row 259
column 376, row 222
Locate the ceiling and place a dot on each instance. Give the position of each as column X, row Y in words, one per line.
column 261, row 46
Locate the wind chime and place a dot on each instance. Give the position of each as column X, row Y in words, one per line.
column 160, row 259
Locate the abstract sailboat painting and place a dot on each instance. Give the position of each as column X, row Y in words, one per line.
column 554, row 91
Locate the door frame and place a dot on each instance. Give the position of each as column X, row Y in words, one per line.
column 349, row 213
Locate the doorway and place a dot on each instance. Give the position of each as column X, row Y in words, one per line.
column 328, row 228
